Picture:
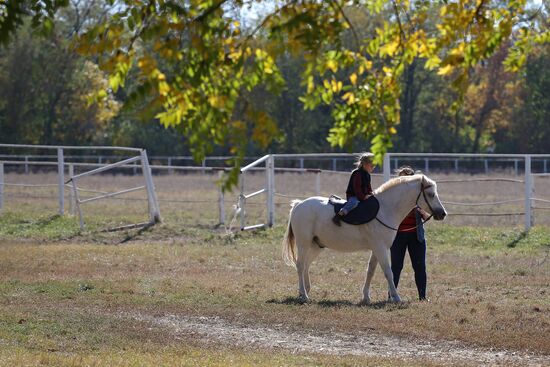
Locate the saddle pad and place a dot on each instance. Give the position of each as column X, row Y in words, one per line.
column 364, row 213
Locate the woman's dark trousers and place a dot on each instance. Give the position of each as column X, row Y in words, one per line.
column 417, row 253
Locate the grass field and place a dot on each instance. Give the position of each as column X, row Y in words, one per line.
column 188, row 293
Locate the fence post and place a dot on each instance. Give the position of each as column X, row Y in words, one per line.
column 77, row 202
column 334, row 164
column 528, row 193
column 71, row 192
column 386, row 168
column 486, row 164
column 26, row 165
column 426, row 165
column 61, row 180
column 154, row 211
column 270, row 177
column 242, row 200
column 170, row 170
column 318, row 183
column 1, row 185
column 221, row 203
column 456, row 165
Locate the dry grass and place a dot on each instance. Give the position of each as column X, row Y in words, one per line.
column 489, row 290
column 61, row 289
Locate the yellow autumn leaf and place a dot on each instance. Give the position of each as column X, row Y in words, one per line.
column 349, row 97
column 445, row 70
column 164, row 88
column 390, row 48
column 332, row 65
column 326, row 84
column 392, row 130
column 353, row 78
column 310, row 84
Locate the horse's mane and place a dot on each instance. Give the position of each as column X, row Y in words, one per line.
column 396, row 181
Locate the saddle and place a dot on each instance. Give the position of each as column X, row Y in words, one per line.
column 363, row 213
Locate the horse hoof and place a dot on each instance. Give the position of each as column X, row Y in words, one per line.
column 303, row 300
column 396, row 299
column 364, row 302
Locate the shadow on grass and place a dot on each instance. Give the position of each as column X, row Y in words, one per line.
column 41, row 222
column 132, row 236
column 516, row 240
column 325, row 303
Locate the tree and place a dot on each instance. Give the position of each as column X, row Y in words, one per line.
column 45, row 87
column 198, row 65
column 530, row 130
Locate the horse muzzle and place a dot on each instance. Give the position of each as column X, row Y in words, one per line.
column 439, row 214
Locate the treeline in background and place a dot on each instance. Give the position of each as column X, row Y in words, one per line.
column 46, row 89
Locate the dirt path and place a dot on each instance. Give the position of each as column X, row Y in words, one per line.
column 218, row 330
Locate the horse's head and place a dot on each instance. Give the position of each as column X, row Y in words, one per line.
column 429, row 200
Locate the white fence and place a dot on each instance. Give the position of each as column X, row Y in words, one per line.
column 528, row 199
column 265, row 182
column 333, row 162
column 140, row 155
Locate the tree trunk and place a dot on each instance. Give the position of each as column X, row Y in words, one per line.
column 408, row 102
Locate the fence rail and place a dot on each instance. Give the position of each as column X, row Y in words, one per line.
column 154, row 211
column 458, row 162
column 267, row 164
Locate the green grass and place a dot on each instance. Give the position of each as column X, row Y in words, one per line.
column 18, row 226
column 489, row 239
column 44, row 227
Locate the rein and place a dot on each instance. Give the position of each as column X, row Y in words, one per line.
column 418, row 225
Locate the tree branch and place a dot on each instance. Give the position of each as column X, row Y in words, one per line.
column 339, row 8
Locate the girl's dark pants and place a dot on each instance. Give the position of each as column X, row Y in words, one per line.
column 417, row 253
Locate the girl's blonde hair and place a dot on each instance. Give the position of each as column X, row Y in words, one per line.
column 364, row 158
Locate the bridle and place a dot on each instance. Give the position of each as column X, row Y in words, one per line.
column 423, row 193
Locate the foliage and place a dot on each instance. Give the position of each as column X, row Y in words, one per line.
column 197, row 68
column 211, row 61
column 45, row 90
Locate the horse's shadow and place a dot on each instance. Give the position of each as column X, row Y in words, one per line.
column 325, row 303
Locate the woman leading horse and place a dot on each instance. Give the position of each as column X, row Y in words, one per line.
column 310, row 229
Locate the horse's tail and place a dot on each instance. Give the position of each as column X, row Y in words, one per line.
column 289, row 242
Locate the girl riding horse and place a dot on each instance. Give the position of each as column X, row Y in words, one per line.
column 359, row 186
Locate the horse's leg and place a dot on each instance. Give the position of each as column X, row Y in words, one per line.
column 370, row 273
column 382, row 255
column 301, row 268
column 303, row 260
column 314, row 251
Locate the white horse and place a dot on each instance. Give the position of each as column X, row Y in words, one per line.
column 310, row 229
